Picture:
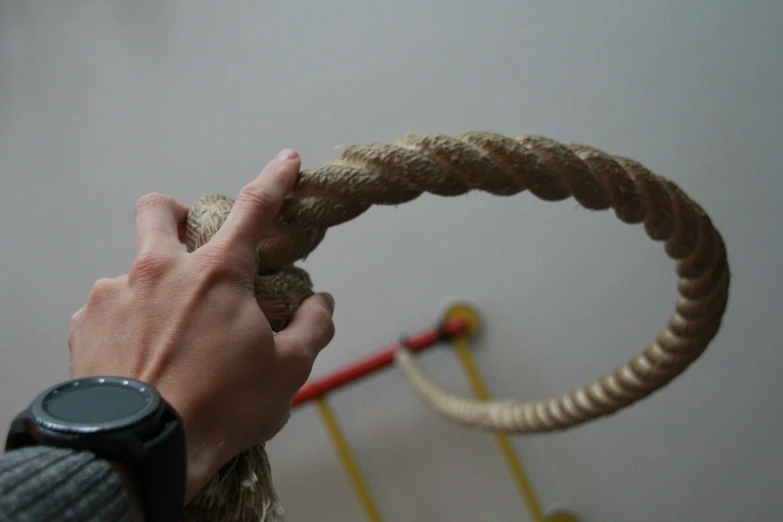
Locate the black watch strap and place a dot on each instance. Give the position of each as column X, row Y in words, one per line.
column 163, row 499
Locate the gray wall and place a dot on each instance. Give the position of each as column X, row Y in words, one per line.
column 101, row 102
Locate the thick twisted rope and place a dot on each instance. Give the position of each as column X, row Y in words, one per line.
column 390, row 174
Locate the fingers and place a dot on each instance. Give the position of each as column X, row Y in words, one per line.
column 257, row 205
column 160, row 224
column 310, row 331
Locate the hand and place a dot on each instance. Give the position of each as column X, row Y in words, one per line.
column 189, row 324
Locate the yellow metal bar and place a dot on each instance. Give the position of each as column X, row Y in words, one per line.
column 349, row 463
column 506, row 449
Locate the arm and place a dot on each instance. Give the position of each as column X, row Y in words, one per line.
column 43, row 483
column 188, row 324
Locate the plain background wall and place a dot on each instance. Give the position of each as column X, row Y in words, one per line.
column 101, row 102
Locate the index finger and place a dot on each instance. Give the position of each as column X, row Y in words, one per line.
column 160, row 224
column 259, row 202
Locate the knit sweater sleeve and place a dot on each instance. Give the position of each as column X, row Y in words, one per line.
column 45, row 484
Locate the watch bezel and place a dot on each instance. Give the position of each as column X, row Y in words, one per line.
column 49, row 422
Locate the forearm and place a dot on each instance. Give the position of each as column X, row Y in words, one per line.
column 43, row 483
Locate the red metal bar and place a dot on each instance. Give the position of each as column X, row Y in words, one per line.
column 378, row 360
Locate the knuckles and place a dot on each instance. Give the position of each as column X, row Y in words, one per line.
column 103, row 289
column 73, row 331
column 150, row 267
column 299, row 364
column 76, row 319
column 302, row 350
column 213, row 259
column 153, row 198
column 254, row 196
column 324, row 325
column 215, row 265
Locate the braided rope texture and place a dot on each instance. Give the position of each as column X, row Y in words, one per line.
column 242, row 491
column 391, row 174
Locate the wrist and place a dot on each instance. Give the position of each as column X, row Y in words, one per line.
column 204, row 458
column 206, row 450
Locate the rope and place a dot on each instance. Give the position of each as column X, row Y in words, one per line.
column 504, row 443
column 391, row 174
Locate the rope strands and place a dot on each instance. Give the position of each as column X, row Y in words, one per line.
column 391, row 174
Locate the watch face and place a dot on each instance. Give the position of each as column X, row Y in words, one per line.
column 95, row 404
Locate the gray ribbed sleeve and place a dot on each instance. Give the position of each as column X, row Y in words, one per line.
column 51, row 484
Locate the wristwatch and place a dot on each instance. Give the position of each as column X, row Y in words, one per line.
column 117, row 419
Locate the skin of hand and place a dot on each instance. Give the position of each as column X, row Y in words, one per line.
column 189, row 325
